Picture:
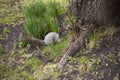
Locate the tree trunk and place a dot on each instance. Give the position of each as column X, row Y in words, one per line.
column 95, row 12
column 99, row 12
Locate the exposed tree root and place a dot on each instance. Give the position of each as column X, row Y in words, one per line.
column 75, row 46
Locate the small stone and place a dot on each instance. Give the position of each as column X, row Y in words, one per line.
column 106, row 64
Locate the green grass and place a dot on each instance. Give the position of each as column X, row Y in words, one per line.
column 1, row 49
column 95, row 37
column 33, row 63
column 27, row 76
column 62, row 2
column 6, row 30
column 1, row 36
column 36, row 9
column 7, row 72
column 41, row 18
column 17, row 72
column 87, row 64
column 8, row 14
column 55, row 51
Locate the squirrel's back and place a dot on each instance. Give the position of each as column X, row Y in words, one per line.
column 51, row 38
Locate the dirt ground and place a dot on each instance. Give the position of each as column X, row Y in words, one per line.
column 108, row 54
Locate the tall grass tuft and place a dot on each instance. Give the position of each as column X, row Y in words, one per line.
column 40, row 18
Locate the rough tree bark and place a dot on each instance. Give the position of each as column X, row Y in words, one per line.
column 97, row 12
column 100, row 12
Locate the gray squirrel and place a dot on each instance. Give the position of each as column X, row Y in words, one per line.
column 51, row 38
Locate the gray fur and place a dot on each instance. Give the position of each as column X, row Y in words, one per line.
column 51, row 38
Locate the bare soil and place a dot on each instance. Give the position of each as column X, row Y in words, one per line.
column 109, row 69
